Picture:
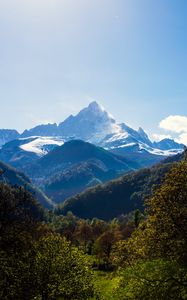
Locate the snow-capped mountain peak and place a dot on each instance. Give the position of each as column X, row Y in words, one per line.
column 91, row 124
column 95, row 107
column 96, row 111
column 95, row 125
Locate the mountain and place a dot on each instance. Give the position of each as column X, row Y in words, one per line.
column 24, row 151
column 64, row 169
column 7, row 135
column 168, row 144
column 42, row 130
column 119, row 196
column 82, row 151
column 128, row 140
column 91, row 124
column 77, row 178
column 11, row 176
column 95, row 125
column 124, row 135
column 74, row 152
column 74, row 166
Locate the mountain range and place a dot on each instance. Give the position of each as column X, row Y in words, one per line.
column 83, row 151
column 95, row 125
column 120, row 196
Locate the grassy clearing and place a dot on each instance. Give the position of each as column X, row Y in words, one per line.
column 105, row 284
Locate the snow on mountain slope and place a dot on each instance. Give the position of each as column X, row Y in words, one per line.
column 160, row 152
column 41, row 145
column 24, row 151
column 141, row 147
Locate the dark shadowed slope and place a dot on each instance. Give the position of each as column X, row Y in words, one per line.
column 13, row 177
column 118, row 196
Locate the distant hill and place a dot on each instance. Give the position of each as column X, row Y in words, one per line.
column 77, row 151
column 77, row 178
column 75, row 166
column 13, row 177
column 119, row 196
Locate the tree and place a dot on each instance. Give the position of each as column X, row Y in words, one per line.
column 98, row 227
column 84, row 233
column 157, row 279
column 104, row 244
column 164, row 233
column 20, row 217
column 137, row 218
column 61, row 270
column 36, row 263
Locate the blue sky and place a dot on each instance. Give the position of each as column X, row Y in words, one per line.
column 56, row 56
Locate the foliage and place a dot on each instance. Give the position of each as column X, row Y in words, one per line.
column 103, row 245
column 157, row 279
column 61, row 270
column 35, row 262
column 164, row 233
column 13, row 177
column 19, row 225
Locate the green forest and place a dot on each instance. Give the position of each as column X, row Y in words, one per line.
column 45, row 255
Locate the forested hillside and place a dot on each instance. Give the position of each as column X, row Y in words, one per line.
column 119, row 196
column 13, row 177
column 136, row 256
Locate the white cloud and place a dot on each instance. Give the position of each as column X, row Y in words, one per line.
column 176, row 124
column 182, row 138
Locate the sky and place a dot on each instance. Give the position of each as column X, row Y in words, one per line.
column 56, row 56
